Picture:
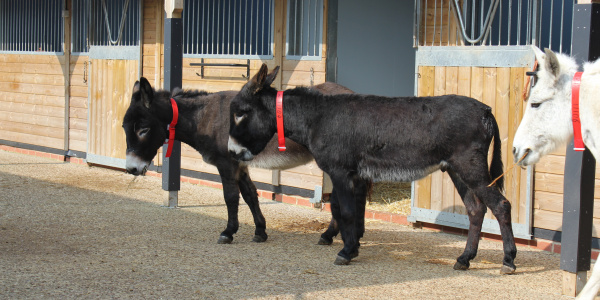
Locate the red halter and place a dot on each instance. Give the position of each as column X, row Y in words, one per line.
column 577, row 138
column 279, row 116
column 171, row 128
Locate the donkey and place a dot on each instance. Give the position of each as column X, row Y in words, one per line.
column 358, row 138
column 547, row 122
column 203, row 124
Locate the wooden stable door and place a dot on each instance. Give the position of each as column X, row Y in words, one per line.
column 498, row 81
column 111, row 83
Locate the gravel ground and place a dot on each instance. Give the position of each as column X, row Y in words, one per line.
column 69, row 231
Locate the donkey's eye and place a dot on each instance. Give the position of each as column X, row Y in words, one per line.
column 238, row 117
column 142, row 132
column 536, row 105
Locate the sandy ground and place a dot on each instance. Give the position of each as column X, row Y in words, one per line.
column 75, row 232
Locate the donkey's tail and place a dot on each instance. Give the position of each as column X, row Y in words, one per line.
column 496, row 167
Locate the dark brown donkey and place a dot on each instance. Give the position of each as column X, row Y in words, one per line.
column 357, row 139
column 204, row 125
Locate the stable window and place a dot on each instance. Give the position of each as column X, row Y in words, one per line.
column 228, row 28
column 104, row 23
column 544, row 23
column 304, row 38
column 31, row 26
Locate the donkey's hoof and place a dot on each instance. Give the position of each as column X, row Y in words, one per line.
column 340, row 261
column 259, row 239
column 460, row 266
column 506, row 270
column 324, row 241
column 224, row 240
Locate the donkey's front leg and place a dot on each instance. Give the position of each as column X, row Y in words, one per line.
column 250, row 195
column 231, row 192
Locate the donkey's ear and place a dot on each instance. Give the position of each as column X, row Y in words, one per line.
column 271, row 77
column 552, row 65
column 257, row 82
column 146, row 92
column 539, row 54
column 136, row 87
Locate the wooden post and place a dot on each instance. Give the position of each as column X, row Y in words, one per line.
column 67, row 70
column 578, row 202
column 173, row 77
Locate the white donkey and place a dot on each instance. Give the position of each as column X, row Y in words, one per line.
column 547, row 122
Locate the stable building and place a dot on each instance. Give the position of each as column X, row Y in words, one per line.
column 67, row 69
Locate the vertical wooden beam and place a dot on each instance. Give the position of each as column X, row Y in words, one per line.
column 578, row 203
column 67, row 69
column 173, row 77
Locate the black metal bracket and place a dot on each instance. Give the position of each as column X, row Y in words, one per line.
column 202, row 64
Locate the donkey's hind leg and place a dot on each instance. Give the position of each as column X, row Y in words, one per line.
column 250, row 196
column 476, row 212
column 476, row 176
column 500, row 207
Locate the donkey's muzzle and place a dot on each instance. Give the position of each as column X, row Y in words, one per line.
column 135, row 165
column 242, row 156
column 135, row 171
column 519, row 156
column 238, row 151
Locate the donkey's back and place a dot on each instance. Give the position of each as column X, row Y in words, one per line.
column 405, row 138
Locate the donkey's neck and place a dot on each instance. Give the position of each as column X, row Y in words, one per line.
column 185, row 128
column 300, row 108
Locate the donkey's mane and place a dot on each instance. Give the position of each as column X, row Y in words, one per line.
column 303, row 91
column 592, row 67
column 190, row 93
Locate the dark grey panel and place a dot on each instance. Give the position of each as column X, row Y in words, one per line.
column 374, row 47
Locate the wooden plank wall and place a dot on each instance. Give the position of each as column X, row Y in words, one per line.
column 78, row 105
column 32, row 94
column 501, row 89
column 32, row 100
column 548, row 196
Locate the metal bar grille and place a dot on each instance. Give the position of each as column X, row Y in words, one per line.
column 31, row 25
column 304, row 29
column 228, row 28
column 544, row 23
column 90, row 26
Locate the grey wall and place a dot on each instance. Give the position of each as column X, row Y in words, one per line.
column 374, row 47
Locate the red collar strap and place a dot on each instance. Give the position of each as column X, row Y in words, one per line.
column 577, row 138
column 171, row 128
column 279, row 116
